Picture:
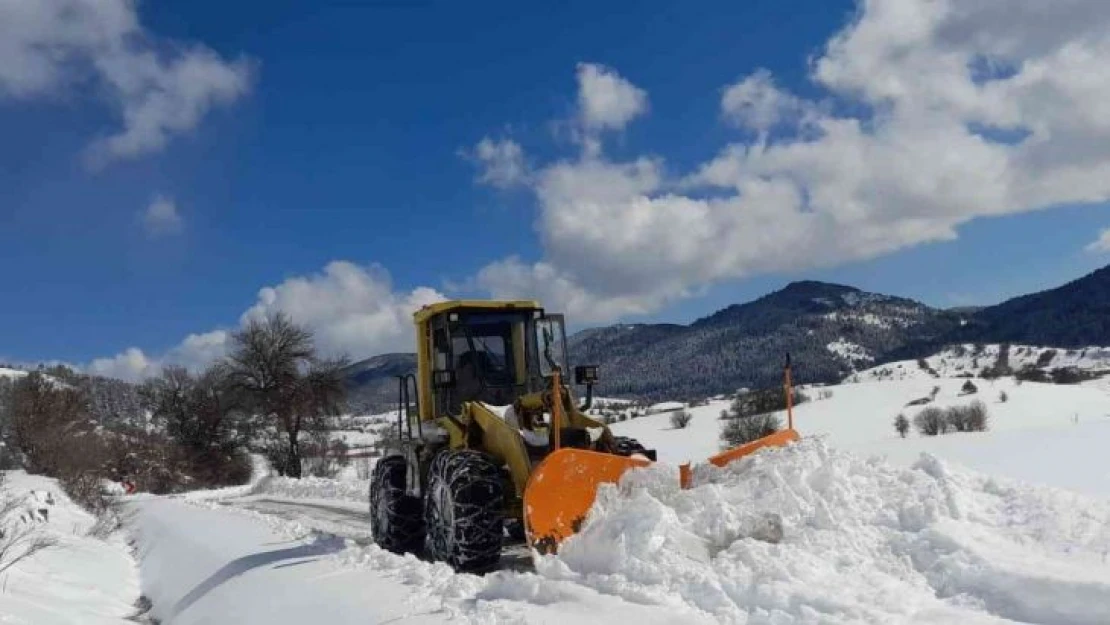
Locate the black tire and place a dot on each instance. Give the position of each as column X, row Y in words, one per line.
column 463, row 510
column 396, row 519
column 626, row 446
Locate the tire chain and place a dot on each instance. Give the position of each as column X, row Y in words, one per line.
column 390, row 503
column 470, row 485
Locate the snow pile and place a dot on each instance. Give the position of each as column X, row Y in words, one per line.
column 81, row 579
column 815, row 535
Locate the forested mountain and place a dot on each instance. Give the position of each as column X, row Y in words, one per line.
column 372, row 384
column 828, row 329
column 111, row 402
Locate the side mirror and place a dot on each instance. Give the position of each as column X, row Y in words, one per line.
column 443, row 378
column 585, row 374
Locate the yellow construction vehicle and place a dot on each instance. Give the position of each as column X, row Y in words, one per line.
column 496, row 443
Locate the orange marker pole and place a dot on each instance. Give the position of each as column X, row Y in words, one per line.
column 556, row 407
column 789, row 395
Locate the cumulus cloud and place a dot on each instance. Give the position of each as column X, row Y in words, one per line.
column 161, row 217
column 756, row 103
column 930, row 113
column 501, row 163
column 49, row 48
column 132, row 364
column 352, row 310
column 1101, row 245
column 607, row 101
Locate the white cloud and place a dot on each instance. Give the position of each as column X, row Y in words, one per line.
column 132, row 364
column 351, row 310
column 1101, row 245
column 51, row 48
column 161, row 217
column 606, row 100
column 958, row 111
column 502, row 163
column 756, row 103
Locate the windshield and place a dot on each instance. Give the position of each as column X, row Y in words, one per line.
column 488, row 347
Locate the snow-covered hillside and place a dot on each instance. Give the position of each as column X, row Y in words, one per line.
column 970, row 360
column 859, row 417
column 11, row 374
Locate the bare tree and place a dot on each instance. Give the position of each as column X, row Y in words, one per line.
column 42, row 418
column 273, row 364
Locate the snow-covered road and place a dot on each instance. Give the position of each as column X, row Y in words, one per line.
column 861, row 541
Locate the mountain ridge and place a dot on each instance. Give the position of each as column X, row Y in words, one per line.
column 830, row 329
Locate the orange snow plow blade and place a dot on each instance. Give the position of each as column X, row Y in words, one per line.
column 778, row 439
column 562, row 489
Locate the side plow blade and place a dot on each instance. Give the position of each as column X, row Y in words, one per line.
column 562, row 489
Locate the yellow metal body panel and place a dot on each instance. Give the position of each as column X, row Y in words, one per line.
column 431, row 310
column 503, row 442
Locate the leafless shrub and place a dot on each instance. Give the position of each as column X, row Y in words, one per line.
column 740, row 430
column 931, row 421
column 902, row 425
column 680, row 419
column 970, row 418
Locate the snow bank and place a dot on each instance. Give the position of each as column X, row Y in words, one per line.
column 315, row 488
column 815, row 535
column 80, row 581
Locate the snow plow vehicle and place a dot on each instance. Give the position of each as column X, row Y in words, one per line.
column 490, row 439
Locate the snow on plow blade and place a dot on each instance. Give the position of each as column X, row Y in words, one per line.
column 562, row 489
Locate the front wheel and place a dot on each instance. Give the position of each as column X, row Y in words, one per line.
column 463, row 510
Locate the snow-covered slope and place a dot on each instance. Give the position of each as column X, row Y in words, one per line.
column 81, row 581
column 860, row 417
column 11, row 374
column 968, row 359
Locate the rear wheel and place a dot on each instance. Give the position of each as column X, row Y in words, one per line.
column 396, row 521
column 463, row 510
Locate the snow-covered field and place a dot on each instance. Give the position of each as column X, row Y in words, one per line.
column 1062, row 423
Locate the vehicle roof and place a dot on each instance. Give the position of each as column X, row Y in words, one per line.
column 432, row 310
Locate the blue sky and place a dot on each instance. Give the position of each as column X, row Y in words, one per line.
column 143, row 203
